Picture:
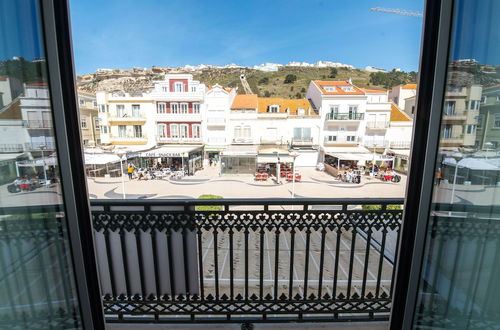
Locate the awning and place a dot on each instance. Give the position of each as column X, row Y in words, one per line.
column 48, row 161
column 348, row 150
column 361, row 157
column 274, row 159
column 241, row 151
column 401, row 153
column 170, row 151
column 7, row 157
column 101, row 158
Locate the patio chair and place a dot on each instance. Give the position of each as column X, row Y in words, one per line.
column 264, row 176
column 258, row 176
column 298, row 177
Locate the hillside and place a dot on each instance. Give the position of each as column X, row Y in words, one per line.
column 261, row 82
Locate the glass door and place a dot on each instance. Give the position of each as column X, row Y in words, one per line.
column 458, row 286
column 43, row 270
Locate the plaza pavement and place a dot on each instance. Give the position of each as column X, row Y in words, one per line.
column 314, row 184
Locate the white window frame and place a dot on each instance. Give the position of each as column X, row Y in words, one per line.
column 97, row 123
column 237, row 131
column 177, row 85
column 184, row 128
column 247, row 131
column 174, row 107
column 351, row 138
column 81, row 101
column 496, row 121
column 498, row 98
column 120, row 131
column 196, row 131
column 94, row 103
column 162, row 130
column 102, row 108
column 274, row 108
column 193, row 89
column 164, row 89
column 136, row 107
column 301, row 112
column 174, row 130
column 162, row 107
column 196, row 107
column 135, row 131
column 119, row 113
column 470, row 129
column 183, row 108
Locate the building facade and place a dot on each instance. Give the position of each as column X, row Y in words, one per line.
column 89, row 119
column 488, row 122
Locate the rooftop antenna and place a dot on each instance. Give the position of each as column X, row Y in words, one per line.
column 398, row 11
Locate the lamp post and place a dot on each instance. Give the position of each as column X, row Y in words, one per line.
column 121, row 154
column 278, row 168
column 294, row 155
column 373, row 160
column 42, row 148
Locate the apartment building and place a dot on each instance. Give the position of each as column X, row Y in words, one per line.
column 126, row 119
column 378, row 118
column 10, row 89
column 399, row 94
column 89, row 119
column 488, row 121
column 461, row 111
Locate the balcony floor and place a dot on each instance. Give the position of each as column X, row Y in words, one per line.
column 273, row 326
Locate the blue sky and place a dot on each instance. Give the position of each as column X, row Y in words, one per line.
column 127, row 33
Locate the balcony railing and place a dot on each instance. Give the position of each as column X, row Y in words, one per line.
column 216, row 121
column 342, row 139
column 238, row 260
column 11, row 147
column 458, row 116
column 141, row 116
column 455, row 138
column 304, row 141
column 345, row 116
column 377, row 125
column 129, row 137
column 243, row 140
column 38, row 124
column 398, row 144
column 178, row 140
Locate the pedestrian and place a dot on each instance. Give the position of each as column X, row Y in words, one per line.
column 130, row 171
column 210, row 161
column 268, row 169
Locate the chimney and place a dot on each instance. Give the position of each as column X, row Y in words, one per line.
column 350, row 80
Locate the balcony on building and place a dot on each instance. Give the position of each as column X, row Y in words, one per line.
column 377, row 125
column 345, row 116
column 216, row 121
column 128, row 117
column 452, row 140
column 242, row 140
column 398, row 144
column 271, row 140
column 178, row 117
column 129, row 139
column 38, row 124
column 342, row 140
column 179, row 140
column 302, row 141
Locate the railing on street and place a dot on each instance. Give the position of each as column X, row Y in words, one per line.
column 345, row 116
column 258, row 260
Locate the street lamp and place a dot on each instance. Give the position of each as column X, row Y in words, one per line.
column 42, row 148
column 278, row 168
column 294, row 155
column 121, row 154
column 373, row 161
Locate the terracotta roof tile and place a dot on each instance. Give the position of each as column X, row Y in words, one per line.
column 374, row 91
column 409, row 86
column 337, row 85
column 245, row 101
column 398, row 114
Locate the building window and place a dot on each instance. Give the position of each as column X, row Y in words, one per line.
column 179, row 87
column 274, row 108
column 137, row 131
column 496, row 123
column 471, row 129
column 97, row 123
column 196, row 131
column 85, row 142
column 484, row 98
column 184, row 131
column 193, row 88
column 498, row 98
column 196, row 108
column 102, row 108
column 164, row 89
column 479, row 120
column 347, row 89
column 449, row 108
column 84, row 122
column 331, row 138
column 104, row 129
column 302, row 133
column 120, row 110
column 329, row 89
column 162, row 107
column 162, row 130
column 474, row 105
column 82, row 101
column 94, row 103
column 353, row 110
column 98, row 141
column 174, row 130
column 301, row 112
column 247, row 131
column 174, row 107
column 351, row 138
column 136, row 110
column 122, row 131
column 237, row 131
column 184, row 108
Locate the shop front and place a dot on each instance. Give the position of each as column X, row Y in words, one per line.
column 401, row 160
column 354, row 158
column 238, row 160
column 188, row 158
column 274, row 160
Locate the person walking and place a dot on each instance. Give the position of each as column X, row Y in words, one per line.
column 130, row 171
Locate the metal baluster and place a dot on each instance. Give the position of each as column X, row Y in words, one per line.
column 231, row 263
column 351, row 260
column 170, row 261
column 246, row 263
column 216, row 263
column 200, row 261
column 321, row 262
column 140, row 260
column 306, row 266
column 154, row 243
column 109, row 255
column 367, row 257
column 338, row 234
column 3, row 265
column 63, row 265
column 261, row 257
column 381, row 261
column 24, row 274
column 276, row 261
column 292, row 252
column 455, row 265
column 41, row 261
column 125, row 261
column 396, row 254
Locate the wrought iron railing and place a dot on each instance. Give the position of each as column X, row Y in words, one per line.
column 246, row 260
column 345, row 116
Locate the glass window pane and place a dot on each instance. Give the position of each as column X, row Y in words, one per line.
column 459, row 287
column 37, row 285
